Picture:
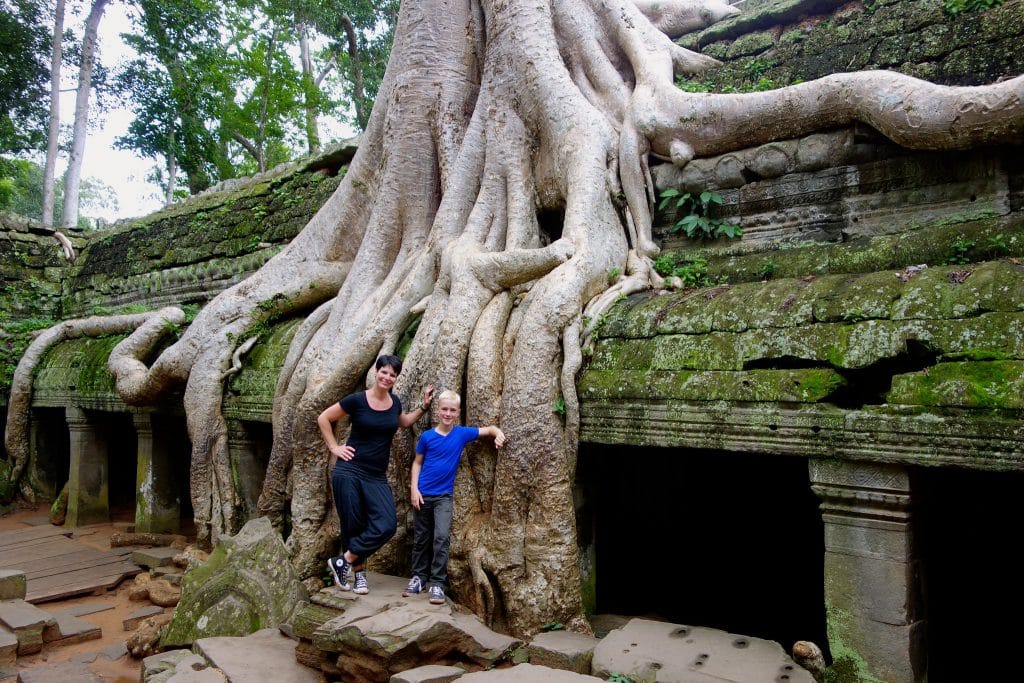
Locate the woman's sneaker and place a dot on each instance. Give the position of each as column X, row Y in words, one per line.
column 340, row 570
column 414, row 588
column 362, row 588
column 436, row 595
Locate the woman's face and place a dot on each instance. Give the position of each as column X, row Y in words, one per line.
column 386, row 377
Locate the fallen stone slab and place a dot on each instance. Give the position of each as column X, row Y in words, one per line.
column 133, row 620
column 532, row 673
column 31, row 625
column 64, row 672
column 266, row 655
column 83, row 610
column 75, row 629
column 12, row 584
column 431, row 673
column 563, row 650
column 8, row 648
column 179, row 666
column 154, row 557
column 383, row 634
column 655, row 650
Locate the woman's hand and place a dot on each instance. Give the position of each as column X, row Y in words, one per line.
column 428, row 397
column 343, row 452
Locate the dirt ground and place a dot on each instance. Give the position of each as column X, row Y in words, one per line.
column 124, row 669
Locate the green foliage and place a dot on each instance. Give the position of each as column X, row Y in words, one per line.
column 559, row 407
column 959, row 251
column 613, row 274
column 697, row 221
column 619, row 678
column 552, row 626
column 996, row 245
column 21, row 192
column 956, row 7
column 767, row 269
column 25, row 36
column 692, row 270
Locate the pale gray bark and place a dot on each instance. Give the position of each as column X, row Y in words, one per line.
column 53, row 134
column 73, row 177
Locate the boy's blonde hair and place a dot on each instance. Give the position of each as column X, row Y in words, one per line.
column 450, row 395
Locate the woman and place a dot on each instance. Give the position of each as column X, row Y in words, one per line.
column 363, row 498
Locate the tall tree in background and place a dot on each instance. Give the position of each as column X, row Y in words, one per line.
column 53, row 136
column 87, row 62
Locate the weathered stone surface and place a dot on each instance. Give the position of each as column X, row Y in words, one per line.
column 179, row 666
column 657, row 651
column 73, row 629
column 527, row 673
column 8, row 649
column 265, row 655
column 147, row 635
column 562, row 650
column 246, row 584
column 162, row 593
column 12, row 584
column 431, row 673
column 58, row 673
column 154, row 557
column 132, row 621
column 382, row 634
column 31, row 625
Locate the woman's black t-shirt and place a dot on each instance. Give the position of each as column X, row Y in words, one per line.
column 370, row 435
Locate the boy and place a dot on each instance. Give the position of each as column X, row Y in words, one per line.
column 433, row 480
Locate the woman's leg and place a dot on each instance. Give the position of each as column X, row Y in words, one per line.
column 380, row 519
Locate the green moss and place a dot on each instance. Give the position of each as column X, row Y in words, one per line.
column 982, row 384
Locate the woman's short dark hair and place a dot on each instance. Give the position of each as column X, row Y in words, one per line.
column 394, row 362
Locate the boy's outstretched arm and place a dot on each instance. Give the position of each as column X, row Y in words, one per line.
column 499, row 436
column 415, row 497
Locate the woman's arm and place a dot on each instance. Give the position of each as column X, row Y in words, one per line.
column 499, row 436
column 325, row 421
column 409, row 419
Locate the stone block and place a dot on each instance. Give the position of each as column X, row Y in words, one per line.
column 266, row 655
column 29, row 624
column 8, row 648
column 135, row 618
column 529, row 673
column 12, row 584
column 59, row 673
column 648, row 650
column 75, row 630
column 154, row 557
column 563, row 650
column 432, row 673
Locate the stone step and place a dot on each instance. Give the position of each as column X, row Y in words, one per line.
column 12, row 584
column 31, row 625
column 154, row 557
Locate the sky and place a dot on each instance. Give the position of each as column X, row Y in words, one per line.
column 123, row 170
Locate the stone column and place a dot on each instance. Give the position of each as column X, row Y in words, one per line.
column 87, row 482
column 247, row 468
column 874, row 627
column 157, row 506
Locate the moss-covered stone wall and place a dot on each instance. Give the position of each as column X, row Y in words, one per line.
column 779, row 42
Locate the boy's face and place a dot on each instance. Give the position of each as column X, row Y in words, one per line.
column 448, row 412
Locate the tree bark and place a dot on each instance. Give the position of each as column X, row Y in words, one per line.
column 73, row 177
column 53, row 136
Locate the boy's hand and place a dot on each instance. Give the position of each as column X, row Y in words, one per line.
column 416, row 498
column 499, row 438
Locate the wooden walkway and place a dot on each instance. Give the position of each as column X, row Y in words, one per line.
column 57, row 567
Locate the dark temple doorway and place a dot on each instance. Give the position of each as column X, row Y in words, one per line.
column 967, row 533
column 724, row 540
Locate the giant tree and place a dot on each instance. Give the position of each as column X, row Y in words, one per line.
column 502, row 176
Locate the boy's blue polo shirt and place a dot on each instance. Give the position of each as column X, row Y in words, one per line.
column 441, row 453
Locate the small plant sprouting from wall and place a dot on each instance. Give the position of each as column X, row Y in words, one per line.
column 695, row 210
column 954, row 8
column 959, row 251
column 767, row 269
column 692, row 271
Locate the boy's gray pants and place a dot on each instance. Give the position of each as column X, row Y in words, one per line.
column 432, row 525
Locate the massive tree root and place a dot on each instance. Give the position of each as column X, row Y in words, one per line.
column 502, row 189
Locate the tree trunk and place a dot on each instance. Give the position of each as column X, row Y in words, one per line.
column 310, row 90
column 73, row 177
column 172, row 170
column 490, row 113
column 358, row 91
column 53, row 137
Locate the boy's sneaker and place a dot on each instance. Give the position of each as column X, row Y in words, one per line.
column 362, row 588
column 415, row 587
column 340, row 570
column 436, row 595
